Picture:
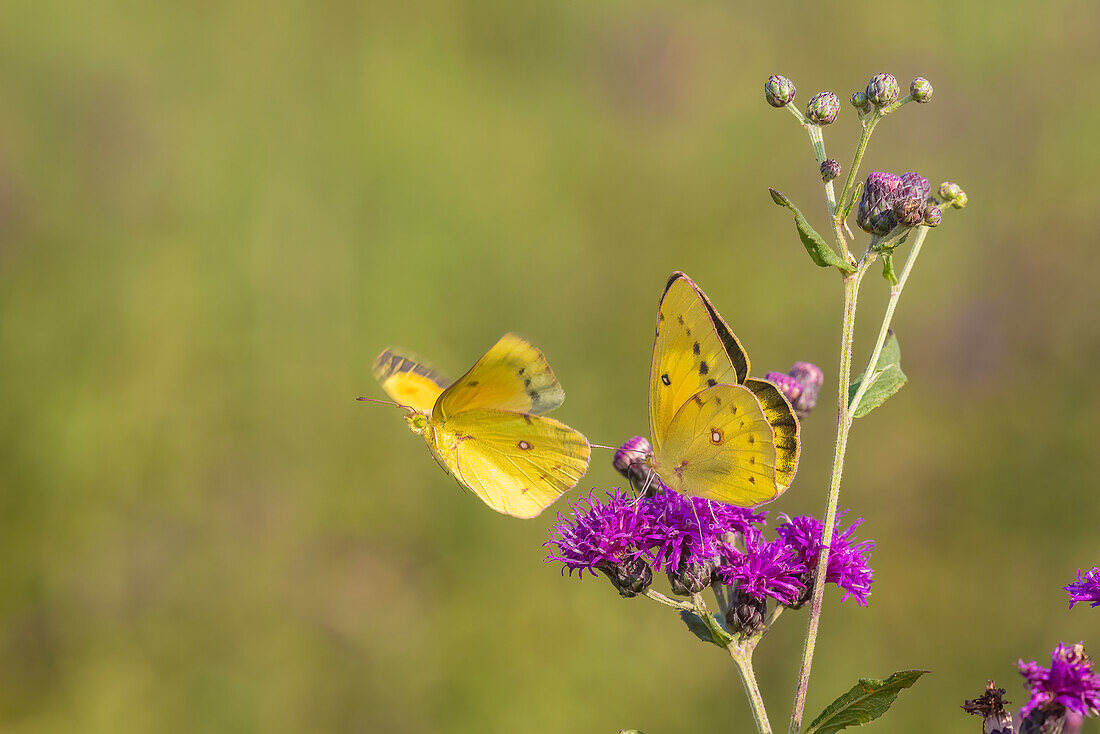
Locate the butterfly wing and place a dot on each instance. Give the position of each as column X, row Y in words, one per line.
column 784, row 425
column 720, row 446
column 518, row 464
column 693, row 349
column 513, row 375
column 407, row 381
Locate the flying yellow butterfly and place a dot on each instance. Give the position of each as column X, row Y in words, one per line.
column 717, row 433
column 484, row 428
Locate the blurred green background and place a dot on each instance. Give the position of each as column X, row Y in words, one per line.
column 214, row 215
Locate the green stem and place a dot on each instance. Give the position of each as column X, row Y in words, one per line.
column 853, row 170
column 884, row 330
column 742, row 658
column 847, row 334
column 817, row 140
column 667, row 601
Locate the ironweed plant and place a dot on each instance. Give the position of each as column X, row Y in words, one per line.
column 755, row 578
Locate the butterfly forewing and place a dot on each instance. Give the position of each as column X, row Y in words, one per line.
column 784, row 425
column 407, row 381
column 513, row 375
column 693, row 349
column 720, row 446
column 517, row 464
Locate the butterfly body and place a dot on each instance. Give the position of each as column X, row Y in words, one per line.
column 717, row 433
column 485, row 428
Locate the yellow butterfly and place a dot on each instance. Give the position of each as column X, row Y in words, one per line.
column 484, row 428
column 717, row 433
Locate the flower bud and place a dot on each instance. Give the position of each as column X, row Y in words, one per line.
column 631, row 577
column 882, row 90
column 745, row 615
column 932, row 216
column 949, row 190
column 876, row 205
column 830, row 169
column 960, row 200
column 811, row 378
column 909, row 212
column 914, row 186
column 858, row 100
column 632, row 461
column 920, row 89
column 779, row 91
column 690, row 577
column 823, row 108
column 787, row 385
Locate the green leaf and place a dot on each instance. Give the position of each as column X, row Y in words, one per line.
column 700, row 629
column 823, row 255
column 888, row 269
column 885, row 380
column 866, row 701
column 856, row 192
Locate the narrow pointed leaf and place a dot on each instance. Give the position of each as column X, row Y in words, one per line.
column 888, row 269
column 700, row 629
column 823, row 255
column 885, row 380
column 866, row 701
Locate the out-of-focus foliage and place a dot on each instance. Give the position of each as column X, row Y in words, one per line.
column 214, row 215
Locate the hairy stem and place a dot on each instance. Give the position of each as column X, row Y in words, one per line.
column 742, row 658
column 853, row 170
column 851, row 296
column 667, row 601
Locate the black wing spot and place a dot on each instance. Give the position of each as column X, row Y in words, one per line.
column 524, row 446
column 660, row 316
column 703, row 368
column 522, row 370
column 733, row 409
column 698, row 400
column 528, row 419
column 718, row 400
column 527, row 382
column 534, row 395
column 665, row 379
column 752, row 439
column 752, row 459
column 695, row 348
column 712, row 383
column 752, row 480
column 689, row 331
column 680, row 320
column 472, row 383
column 524, row 490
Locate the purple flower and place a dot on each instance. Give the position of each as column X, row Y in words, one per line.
column 876, row 206
column 687, row 530
column 765, row 568
column 1085, row 589
column 601, row 536
column 1068, row 685
column 847, row 568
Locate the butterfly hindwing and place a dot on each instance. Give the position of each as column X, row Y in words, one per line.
column 784, row 425
column 693, row 349
column 517, row 464
column 720, row 446
column 513, row 375
column 407, row 381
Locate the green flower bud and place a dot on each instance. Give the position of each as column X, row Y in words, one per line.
column 932, row 216
column 830, row 169
column 920, row 89
column 949, row 190
column 858, row 100
column 882, row 90
column 779, row 91
column 823, row 108
column 960, row 200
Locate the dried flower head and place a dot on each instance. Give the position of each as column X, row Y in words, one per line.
column 991, row 707
column 779, row 91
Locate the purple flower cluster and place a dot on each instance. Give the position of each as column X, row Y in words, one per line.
column 695, row 540
column 1069, row 684
column 1086, row 588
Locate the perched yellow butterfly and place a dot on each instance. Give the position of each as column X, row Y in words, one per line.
column 484, row 428
column 717, row 433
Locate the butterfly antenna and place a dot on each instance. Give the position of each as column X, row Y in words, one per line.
column 385, row 402
column 601, row 446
